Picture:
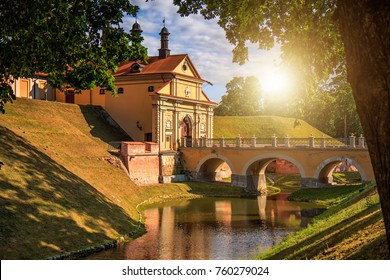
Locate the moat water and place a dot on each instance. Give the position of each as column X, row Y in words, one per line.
column 215, row 228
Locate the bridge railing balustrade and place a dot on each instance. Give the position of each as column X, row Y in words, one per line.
column 336, row 142
column 263, row 142
column 230, row 142
column 246, row 142
column 349, row 142
column 299, row 142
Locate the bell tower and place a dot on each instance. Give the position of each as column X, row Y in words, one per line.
column 164, row 51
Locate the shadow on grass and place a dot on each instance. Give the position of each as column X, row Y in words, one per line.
column 376, row 249
column 100, row 127
column 320, row 242
column 45, row 209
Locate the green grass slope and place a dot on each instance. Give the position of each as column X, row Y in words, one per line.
column 262, row 127
column 352, row 229
column 57, row 191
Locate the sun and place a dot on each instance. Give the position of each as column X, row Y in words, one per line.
column 276, row 83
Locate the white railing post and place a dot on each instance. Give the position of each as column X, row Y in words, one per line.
column 287, row 141
column 274, row 141
column 361, row 142
column 209, row 142
column 222, row 142
column 352, row 143
column 323, row 143
column 238, row 141
column 311, row 141
column 254, row 141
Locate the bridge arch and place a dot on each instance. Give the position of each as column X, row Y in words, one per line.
column 325, row 169
column 254, row 170
column 208, row 166
column 268, row 158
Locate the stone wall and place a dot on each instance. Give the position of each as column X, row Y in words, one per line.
column 171, row 167
column 142, row 162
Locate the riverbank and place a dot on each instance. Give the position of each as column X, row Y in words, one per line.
column 352, row 227
column 187, row 190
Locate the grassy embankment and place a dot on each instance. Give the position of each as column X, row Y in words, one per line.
column 58, row 190
column 262, row 127
column 352, row 228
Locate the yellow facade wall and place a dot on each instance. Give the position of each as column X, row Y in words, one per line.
column 187, row 89
column 134, row 105
column 186, row 70
column 165, row 90
column 86, row 97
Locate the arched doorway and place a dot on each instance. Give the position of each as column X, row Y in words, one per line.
column 186, row 131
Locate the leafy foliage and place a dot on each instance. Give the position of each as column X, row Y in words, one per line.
column 304, row 30
column 243, row 98
column 77, row 43
column 311, row 49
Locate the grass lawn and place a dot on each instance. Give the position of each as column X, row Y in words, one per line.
column 326, row 196
column 352, row 229
column 262, row 127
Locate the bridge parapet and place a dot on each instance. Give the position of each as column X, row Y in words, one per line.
column 351, row 142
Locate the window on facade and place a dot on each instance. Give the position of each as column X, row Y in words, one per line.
column 150, row 88
column 148, row 137
column 120, row 90
column 102, row 91
column 187, row 91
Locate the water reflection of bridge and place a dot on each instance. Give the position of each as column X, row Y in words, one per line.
column 209, row 229
column 248, row 159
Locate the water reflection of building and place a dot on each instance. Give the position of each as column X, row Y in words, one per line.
column 217, row 228
column 223, row 212
column 284, row 211
column 179, row 239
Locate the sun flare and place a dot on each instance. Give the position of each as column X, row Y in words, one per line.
column 277, row 82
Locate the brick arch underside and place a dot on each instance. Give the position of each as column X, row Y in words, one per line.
column 258, row 164
column 207, row 168
column 325, row 169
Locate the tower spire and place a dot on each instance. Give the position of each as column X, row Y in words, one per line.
column 164, row 51
column 136, row 27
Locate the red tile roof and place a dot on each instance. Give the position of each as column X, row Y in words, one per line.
column 154, row 65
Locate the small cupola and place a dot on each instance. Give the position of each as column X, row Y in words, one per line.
column 164, row 51
column 136, row 28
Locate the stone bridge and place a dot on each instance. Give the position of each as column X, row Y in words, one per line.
column 248, row 159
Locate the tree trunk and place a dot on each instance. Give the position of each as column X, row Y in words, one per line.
column 365, row 30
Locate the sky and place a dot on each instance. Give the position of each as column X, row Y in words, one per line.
column 205, row 43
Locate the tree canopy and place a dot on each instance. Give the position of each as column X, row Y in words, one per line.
column 243, row 98
column 78, row 44
column 304, row 30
